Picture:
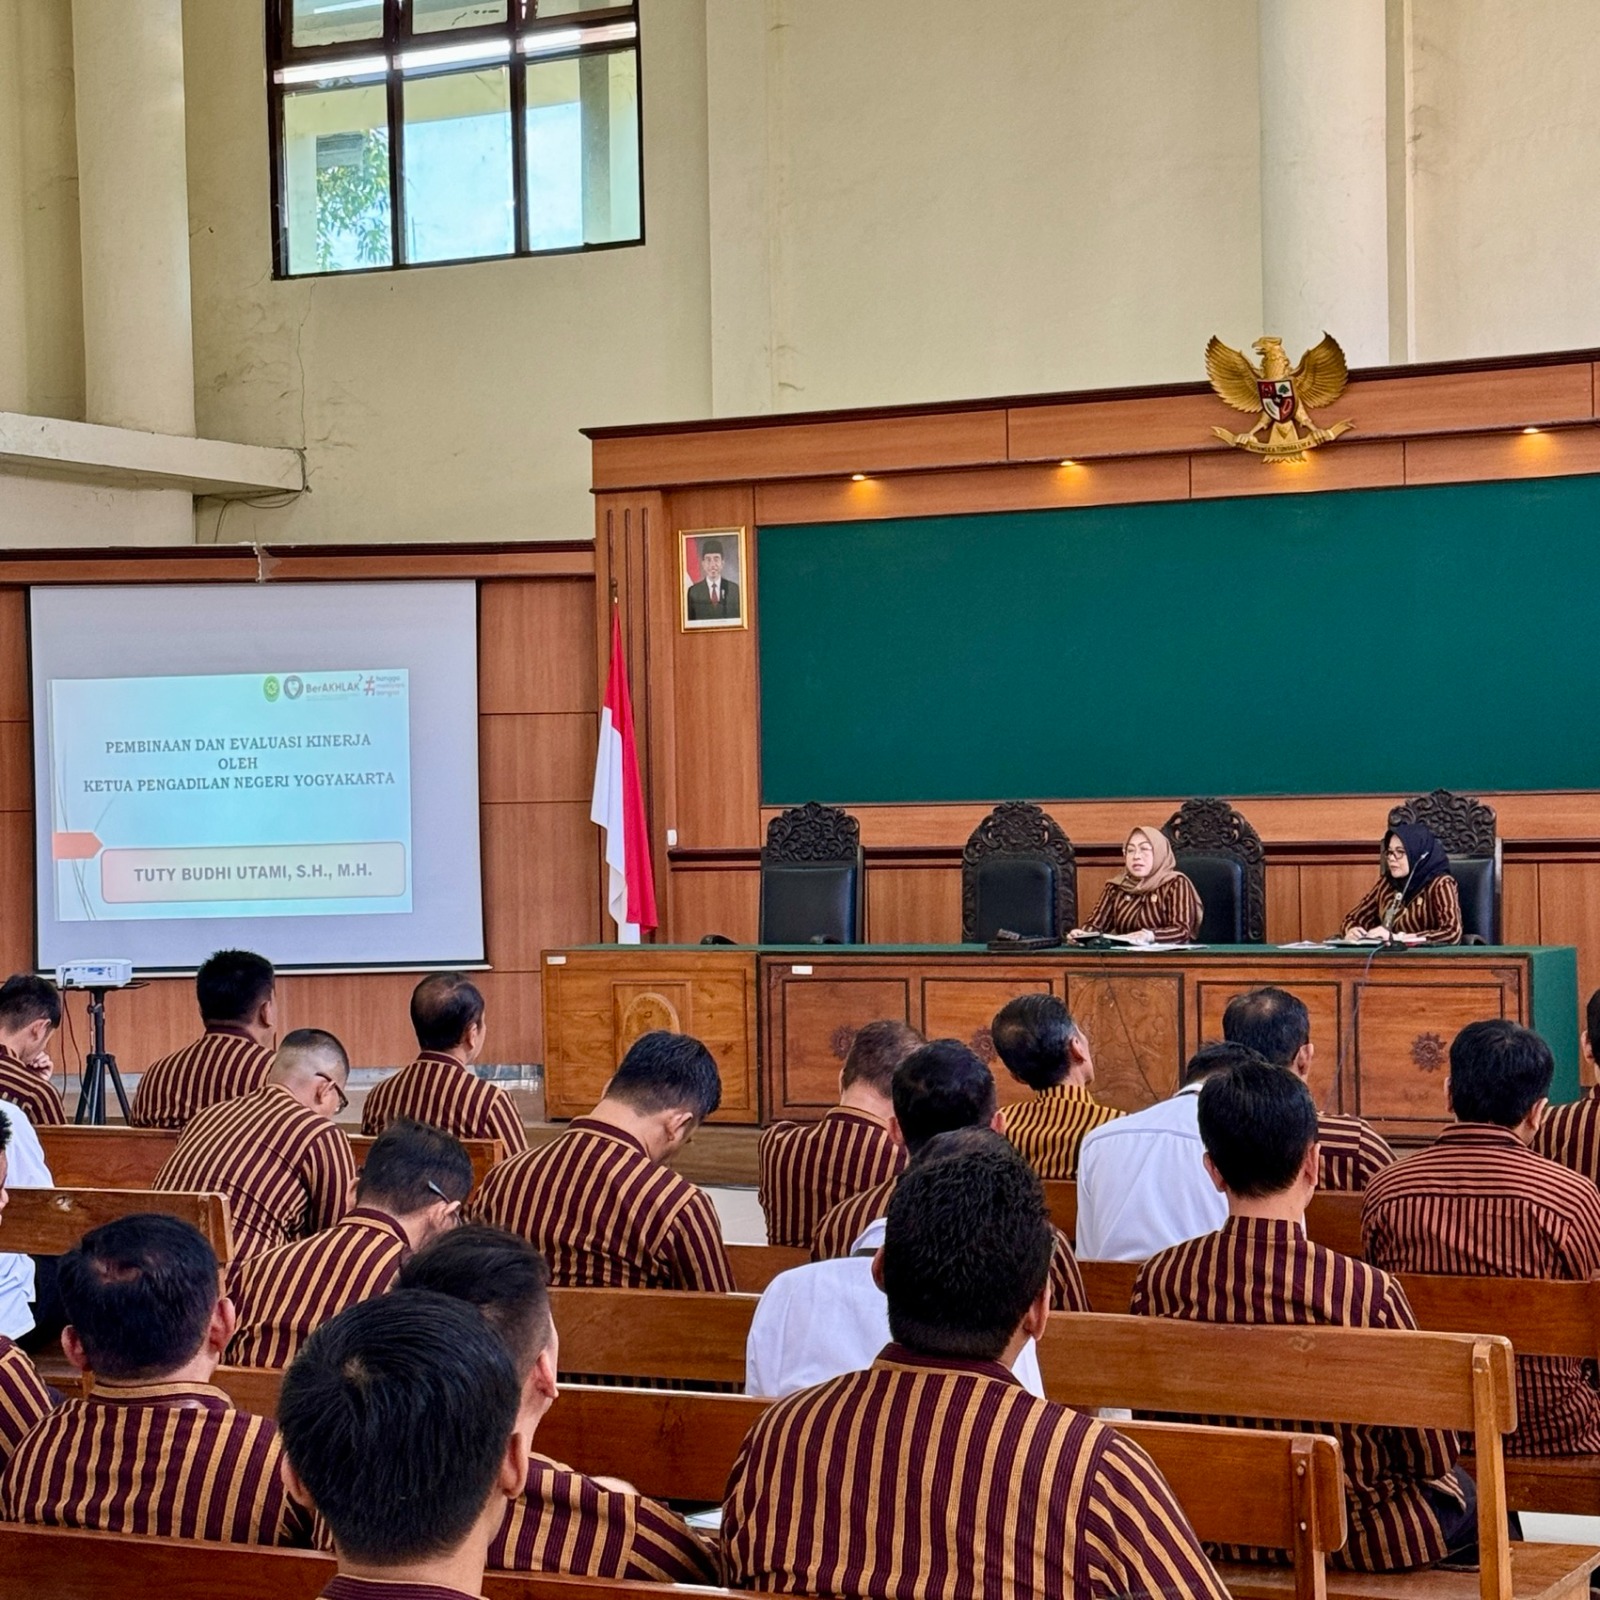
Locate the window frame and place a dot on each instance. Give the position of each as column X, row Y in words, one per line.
column 521, row 22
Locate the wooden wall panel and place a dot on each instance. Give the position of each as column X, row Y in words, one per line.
column 1547, row 454
column 1569, row 913
column 1283, row 904
column 1519, row 902
column 1327, row 892
column 715, row 902
column 536, row 646
column 1371, row 464
column 914, row 905
column 535, row 755
column 15, row 705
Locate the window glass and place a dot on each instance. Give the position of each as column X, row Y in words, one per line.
column 570, row 8
column 336, row 171
column 431, row 16
column 458, row 166
column 583, row 151
column 313, row 23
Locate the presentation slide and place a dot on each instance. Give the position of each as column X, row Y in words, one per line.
column 291, row 768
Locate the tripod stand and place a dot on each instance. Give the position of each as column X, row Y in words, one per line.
column 97, row 1066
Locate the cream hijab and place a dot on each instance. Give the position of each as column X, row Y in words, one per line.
column 1163, row 871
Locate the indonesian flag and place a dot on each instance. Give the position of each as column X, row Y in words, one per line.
column 618, row 806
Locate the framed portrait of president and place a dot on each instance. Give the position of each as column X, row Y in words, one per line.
column 711, row 579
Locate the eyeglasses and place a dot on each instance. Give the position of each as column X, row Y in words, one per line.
column 344, row 1099
column 452, row 1207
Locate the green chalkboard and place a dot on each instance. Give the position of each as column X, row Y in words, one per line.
column 1376, row 641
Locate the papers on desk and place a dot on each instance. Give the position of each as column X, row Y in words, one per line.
column 1126, row 941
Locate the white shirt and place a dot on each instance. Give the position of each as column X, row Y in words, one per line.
column 827, row 1318
column 26, row 1168
column 1142, row 1183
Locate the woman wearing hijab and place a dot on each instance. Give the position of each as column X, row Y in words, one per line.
column 1415, row 900
column 1151, row 900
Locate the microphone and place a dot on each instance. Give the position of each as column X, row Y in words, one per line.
column 1391, row 916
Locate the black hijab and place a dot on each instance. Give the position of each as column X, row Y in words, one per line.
column 1424, row 853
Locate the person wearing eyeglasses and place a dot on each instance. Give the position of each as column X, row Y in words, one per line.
column 1415, row 900
column 409, row 1192
column 277, row 1155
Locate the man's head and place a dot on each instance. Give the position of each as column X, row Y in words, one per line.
column 313, row 1067
column 5, row 1145
column 667, row 1086
column 876, row 1051
column 142, row 1302
column 711, row 559
column 1259, row 1126
column 966, row 1254
column 419, row 1176
column 447, row 1014
column 1591, row 1029
column 1040, row 1043
column 398, row 1421
column 938, row 1088
column 1273, row 1023
column 1212, row 1058
column 238, row 988
column 1500, row 1073
column 30, row 1011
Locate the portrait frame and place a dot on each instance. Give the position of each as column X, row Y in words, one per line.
column 693, row 591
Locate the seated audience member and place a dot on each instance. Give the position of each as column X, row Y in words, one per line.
column 1570, row 1134
column 935, row 1460
column 30, row 1011
column 155, row 1448
column 807, row 1168
column 439, row 1087
column 562, row 1521
column 276, row 1154
column 24, row 1397
column 410, row 1190
column 399, row 1424
column 1415, row 900
column 1479, row 1203
column 1259, row 1125
column 1150, row 900
column 1142, row 1181
column 938, row 1088
column 827, row 1318
column 25, row 1283
column 1042, row 1047
column 1276, row 1024
column 600, row 1203
column 237, row 992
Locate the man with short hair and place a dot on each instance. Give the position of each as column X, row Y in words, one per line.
column 562, row 1521
column 1479, row 1203
column 410, row 1190
column 399, row 1424
column 1043, row 1048
column 713, row 595
column 1277, row 1025
column 154, row 1449
column 30, row 1011
column 24, row 1397
column 807, row 1168
column 237, row 994
column 934, row 1471
column 1570, row 1134
column 600, row 1202
column 439, row 1087
column 940, row 1087
column 1142, row 1181
column 26, row 1285
column 1259, row 1125
column 284, row 1166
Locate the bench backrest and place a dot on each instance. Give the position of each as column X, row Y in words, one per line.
column 49, row 1222
column 756, row 1265
column 653, row 1333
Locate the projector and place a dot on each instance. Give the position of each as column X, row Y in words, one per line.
column 94, row 975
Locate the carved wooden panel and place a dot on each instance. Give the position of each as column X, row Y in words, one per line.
column 1322, row 1000
column 963, row 1008
column 1465, row 826
column 1019, row 828
column 1402, row 1044
column 1134, row 1022
column 812, row 1018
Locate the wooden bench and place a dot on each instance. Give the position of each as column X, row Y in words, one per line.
column 49, row 1222
column 756, row 1265
column 653, row 1333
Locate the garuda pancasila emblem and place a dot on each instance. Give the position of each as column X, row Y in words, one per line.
column 1282, row 397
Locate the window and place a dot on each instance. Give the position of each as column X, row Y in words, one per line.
column 407, row 132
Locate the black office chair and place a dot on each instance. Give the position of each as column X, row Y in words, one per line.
column 1018, row 873
column 813, row 880
column 1221, row 854
column 1467, row 829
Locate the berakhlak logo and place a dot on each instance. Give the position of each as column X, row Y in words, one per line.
column 270, row 688
column 294, row 686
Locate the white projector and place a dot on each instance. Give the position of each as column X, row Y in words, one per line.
column 94, row 975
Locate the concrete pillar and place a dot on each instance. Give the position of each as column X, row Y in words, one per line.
column 134, row 213
column 1324, row 172
column 13, row 213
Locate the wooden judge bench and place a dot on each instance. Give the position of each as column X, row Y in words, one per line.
column 780, row 1019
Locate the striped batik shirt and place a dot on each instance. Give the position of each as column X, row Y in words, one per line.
column 946, row 1480
column 1478, row 1203
column 24, row 1398
column 1261, row 1271
column 348, row 1588
column 1570, row 1134
column 173, row 1460
column 565, row 1522
column 808, row 1168
column 1352, row 1153
column 1435, row 913
column 606, row 1216
column 283, row 1296
column 1171, row 911
column 35, row 1096
column 1048, row 1129
column 222, row 1064
column 838, row 1231
column 438, row 1090
column 287, row 1173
